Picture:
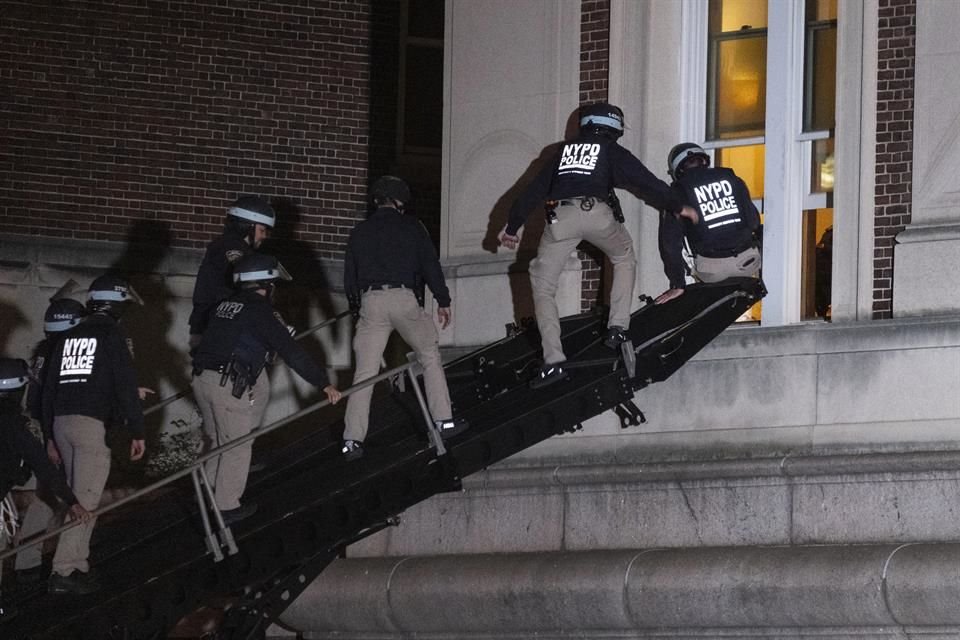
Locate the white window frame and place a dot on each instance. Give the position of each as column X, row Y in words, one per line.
column 788, row 152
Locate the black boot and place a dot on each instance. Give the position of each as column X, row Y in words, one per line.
column 7, row 611
column 615, row 337
column 549, row 374
column 351, row 450
column 450, row 427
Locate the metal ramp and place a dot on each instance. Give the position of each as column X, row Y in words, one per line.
column 155, row 564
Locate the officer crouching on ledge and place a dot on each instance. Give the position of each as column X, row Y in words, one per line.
column 722, row 225
column 388, row 259
column 231, row 387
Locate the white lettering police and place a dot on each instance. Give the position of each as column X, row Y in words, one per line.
column 716, row 200
column 78, row 356
column 579, row 158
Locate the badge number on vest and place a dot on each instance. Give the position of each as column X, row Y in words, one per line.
column 716, row 202
column 78, row 356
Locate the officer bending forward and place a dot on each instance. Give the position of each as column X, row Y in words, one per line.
column 389, row 256
column 230, row 385
column 577, row 187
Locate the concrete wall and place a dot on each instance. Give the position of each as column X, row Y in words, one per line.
column 767, row 496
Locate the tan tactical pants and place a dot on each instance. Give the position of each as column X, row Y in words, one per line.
column 226, row 419
column 573, row 225
column 41, row 515
column 382, row 311
column 746, row 264
column 86, row 461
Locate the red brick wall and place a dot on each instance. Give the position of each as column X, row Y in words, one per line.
column 165, row 110
column 895, row 83
column 594, row 87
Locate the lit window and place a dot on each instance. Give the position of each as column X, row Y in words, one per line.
column 737, row 77
column 737, row 134
column 820, row 65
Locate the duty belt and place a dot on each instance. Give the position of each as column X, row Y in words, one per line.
column 585, row 204
column 725, row 253
column 384, row 287
column 200, row 368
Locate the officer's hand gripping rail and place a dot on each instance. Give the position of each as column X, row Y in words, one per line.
column 183, row 394
column 223, row 537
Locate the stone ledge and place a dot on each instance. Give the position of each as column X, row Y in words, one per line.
column 808, row 591
column 787, row 466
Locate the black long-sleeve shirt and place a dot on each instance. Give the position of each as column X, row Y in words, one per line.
column 392, row 248
column 16, row 444
column 214, row 277
column 245, row 327
column 590, row 166
column 89, row 374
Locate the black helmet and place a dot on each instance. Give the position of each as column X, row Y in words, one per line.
column 602, row 119
column 62, row 314
column 14, row 375
column 681, row 153
column 258, row 270
column 390, row 188
column 254, row 210
column 110, row 294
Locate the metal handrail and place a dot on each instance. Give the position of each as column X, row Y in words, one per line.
column 198, row 463
column 183, row 394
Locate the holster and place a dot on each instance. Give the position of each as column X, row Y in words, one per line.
column 550, row 210
column 614, row 203
column 418, row 289
column 242, row 375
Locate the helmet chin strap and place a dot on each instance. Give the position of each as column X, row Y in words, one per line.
column 269, row 288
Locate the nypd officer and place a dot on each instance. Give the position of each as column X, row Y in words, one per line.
column 724, row 230
column 230, row 385
column 21, row 453
column 90, row 374
column 576, row 189
column 248, row 224
column 61, row 315
column 388, row 259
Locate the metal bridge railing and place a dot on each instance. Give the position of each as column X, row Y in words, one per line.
column 223, row 536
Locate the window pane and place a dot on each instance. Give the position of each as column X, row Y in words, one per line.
column 739, row 83
column 821, row 175
column 747, row 163
column 737, row 78
column 821, row 10
column 820, row 78
column 423, row 98
column 425, row 18
column 734, row 15
column 817, row 262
